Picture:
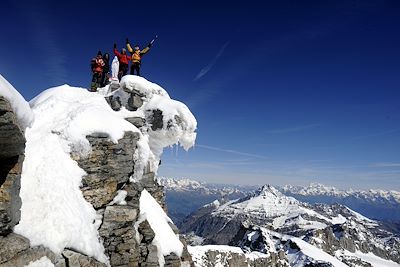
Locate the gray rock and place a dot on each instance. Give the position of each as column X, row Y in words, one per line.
column 108, row 167
column 135, row 100
column 146, row 231
column 118, row 235
column 152, row 256
column 12, row 146
column 114, row 102
column 23, row 258
column 172, row 260
column 11, row 245
column 137, row 121
column 12, row 139
column 75, row 259
column 155, row 119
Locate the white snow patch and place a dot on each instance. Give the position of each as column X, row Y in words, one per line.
column 119, row 198
column 314, row 252
column 145, row 87
column 165, row 239
column 199, row 257
column 18, row 103
column 42, row 262
column 362, row 217
column 338, row 219
column 371, row 258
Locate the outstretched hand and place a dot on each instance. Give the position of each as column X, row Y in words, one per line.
column 115, row 45
column 127, row 40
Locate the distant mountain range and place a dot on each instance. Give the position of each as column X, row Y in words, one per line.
column 376, row 204
column 290, row 231
column 184, row 196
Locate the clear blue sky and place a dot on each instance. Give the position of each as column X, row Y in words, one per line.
column 285, row 92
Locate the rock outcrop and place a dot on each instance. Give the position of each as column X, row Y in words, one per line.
column 12, row 146
column 111, row 184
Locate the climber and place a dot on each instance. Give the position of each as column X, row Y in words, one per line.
column 106, row 70
column 137, row 54
column 123, row 59
column 97, row 65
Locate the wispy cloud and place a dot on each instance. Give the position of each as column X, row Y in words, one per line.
column 386, row 165
column 377, row 134
column 232, row 151
column 207, row 68
column 293, row 129
column 44, row 39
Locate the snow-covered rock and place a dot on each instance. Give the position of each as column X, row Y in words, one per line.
column 18, row 104
column 86, row 167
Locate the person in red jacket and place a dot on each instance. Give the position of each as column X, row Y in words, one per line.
column 123, row 59
column 97, row 65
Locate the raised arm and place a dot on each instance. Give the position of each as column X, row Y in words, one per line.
column 145, row 50
column 118, row 54
column 128, row 45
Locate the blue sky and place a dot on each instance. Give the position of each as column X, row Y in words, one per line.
column 287, row 92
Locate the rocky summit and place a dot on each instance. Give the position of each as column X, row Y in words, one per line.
column 113, row 173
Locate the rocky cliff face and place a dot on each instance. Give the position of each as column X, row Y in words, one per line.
column 12, row 146
column 111, row 184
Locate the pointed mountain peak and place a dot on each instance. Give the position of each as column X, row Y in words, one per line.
column 269, row 191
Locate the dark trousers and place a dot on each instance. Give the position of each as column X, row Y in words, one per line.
column 123, row 70
column 104, row 79
column 96, row 81
column 135, row 67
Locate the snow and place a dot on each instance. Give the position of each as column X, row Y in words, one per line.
column 372, row 195
column 145, row 87
column 165, row 239
column 199, row 257
column 362, row 217
column 179, row 124
column 119, row 198
column 42, row 262
column 314, row 252
column 371, row 258
column 338, row 219
column 268, row 201
column 18, row 103
column 173, row 133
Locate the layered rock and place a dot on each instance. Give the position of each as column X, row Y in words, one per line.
column 12, row 146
